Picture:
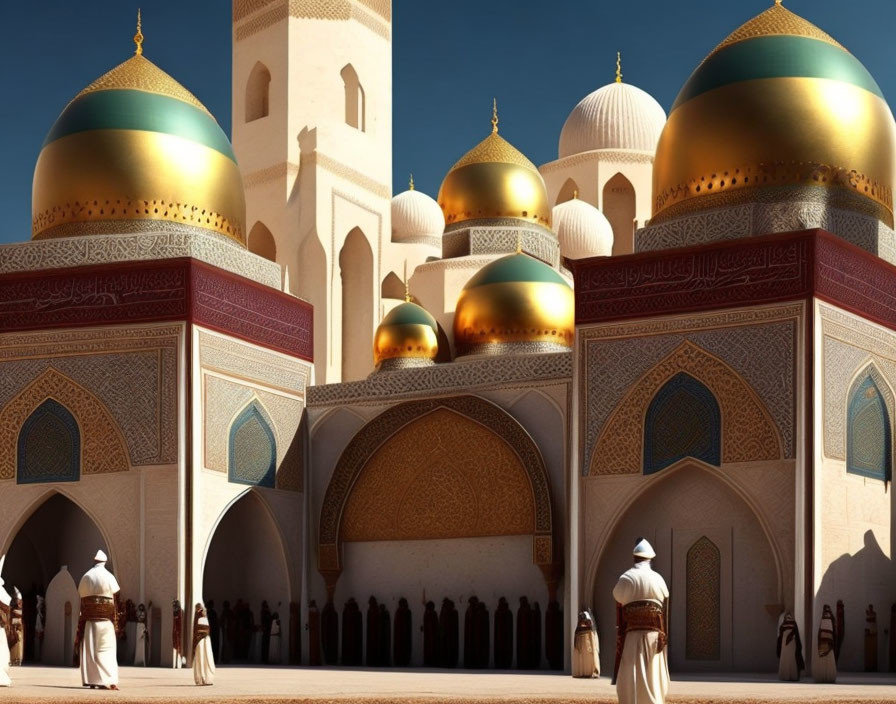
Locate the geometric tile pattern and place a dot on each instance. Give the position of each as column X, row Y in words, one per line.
column 868, row 445
column 703, row 601
column 49, row 447
column 683, row 420
column 616, row 356
column 252, row 450
column 102, row 442
column 748, row 431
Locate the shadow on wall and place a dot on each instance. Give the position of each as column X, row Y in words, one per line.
column 868, row 577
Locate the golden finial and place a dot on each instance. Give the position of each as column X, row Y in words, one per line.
column 494, row 115
column 779, row 2
column 619, row 67
column 138, row 37
column 411, row 183
column 575, row 195
column 407, row 285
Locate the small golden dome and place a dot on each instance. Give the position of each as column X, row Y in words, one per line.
column 515, row 299
column 408, row 332
column 777, row 105
column 494, row 180
column 133, row 148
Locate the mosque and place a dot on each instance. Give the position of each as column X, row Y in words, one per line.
column 249, row 372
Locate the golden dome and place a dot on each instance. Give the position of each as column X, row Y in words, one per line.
column 778, row 103
column 407, row 332
column 494, row 180
column 132, row 148
column 515, row 299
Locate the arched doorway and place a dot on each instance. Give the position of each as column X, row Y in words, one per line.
column 358, row 294
column 261, row 242
column 244, row 566
column 569, row 191
column 58, row 534
column 718, row 562
column 618, row 204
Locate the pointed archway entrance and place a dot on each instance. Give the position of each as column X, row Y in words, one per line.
column 57, row 537
column 246, row 565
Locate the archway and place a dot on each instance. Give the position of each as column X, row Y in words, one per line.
column 261, row 242
column 57, row 534
column 245, row 565
column 718, row 562
column 356, row 267
column 569, row 191
column 619, row 206
column 355, row 107
column 257, row 92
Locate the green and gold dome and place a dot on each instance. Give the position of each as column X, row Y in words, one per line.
column 494, row 180
column 133, row 148
column 779, row 103
column 408, row 333
column 515, row 300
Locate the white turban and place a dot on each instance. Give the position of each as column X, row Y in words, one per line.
column 100, row 556
column 644, row 549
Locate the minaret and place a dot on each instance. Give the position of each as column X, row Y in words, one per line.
column 312, row 131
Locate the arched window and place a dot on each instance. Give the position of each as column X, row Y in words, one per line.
column 683, row 420
column 49, row 446
column 257, row 89
column 569, row 191
column 252, row 451
column 703, row 601
column 355, row 107
column 868, row 441
column 261, row 242
column 358, row 301
column 618, row 204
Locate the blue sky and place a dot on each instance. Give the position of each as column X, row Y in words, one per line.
column 449, row 59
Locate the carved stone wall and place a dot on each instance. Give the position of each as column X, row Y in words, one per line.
column 703, row 601
column 748, row 431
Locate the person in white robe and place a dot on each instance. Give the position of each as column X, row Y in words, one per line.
column 825, row 668
column 642, row 672
column 5, row 600
column 203, row 658
column 274, row 640
column 141, row 649
column 96, row 626
column 790, row 650
column 16, row 629
column 586, row 652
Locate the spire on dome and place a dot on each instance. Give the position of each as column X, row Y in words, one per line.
column 494, row 116
column 619, row 67
column 138, row 37
column 411, row 183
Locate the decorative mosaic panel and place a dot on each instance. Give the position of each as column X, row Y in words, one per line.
column 49, row 446
column 683, row 420
column 103, row 444
column 703, row 597
column 748, row 431
column 252, row 449
column 868, row 443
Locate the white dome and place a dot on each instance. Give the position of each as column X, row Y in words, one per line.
column 415, row 214
column 617, row 116
column 582, row 229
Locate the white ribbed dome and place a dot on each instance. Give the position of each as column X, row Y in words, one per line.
column 415, row 214
column 582, row 229
column 617, row 116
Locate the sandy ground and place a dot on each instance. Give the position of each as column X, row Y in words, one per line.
column 323, row 685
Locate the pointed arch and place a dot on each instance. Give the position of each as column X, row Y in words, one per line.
column 748, row 432
column 102, row 443
column 261, row 242
column 355, row 99
column 568, row 191
column 683, row 420
column 251, row 448
column 358, row 301
column 49, row 446
column 258, row 92
column 392, row 287
column 618, row 204
column 365, row 447
column 869, row 444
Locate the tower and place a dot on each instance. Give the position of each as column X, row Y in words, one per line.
column 312, row 131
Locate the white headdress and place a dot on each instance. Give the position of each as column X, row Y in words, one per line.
column 100, row 556
column 644, row 549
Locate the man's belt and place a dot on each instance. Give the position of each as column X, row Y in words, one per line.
column 200, row 631
column 644, row 616
column 98, row 608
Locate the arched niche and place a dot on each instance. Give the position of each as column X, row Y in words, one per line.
column 258, row 92
column 246, row 563
column 49, row 446
column 252, row 448
column 618, row 205
column 568, row 191
column 356, row 269
column 355, row 99
column 392, row 287
column 491, row 486
column 869, row 444
column 261, row 242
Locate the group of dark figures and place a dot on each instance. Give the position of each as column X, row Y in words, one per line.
column 233, row 630
column 386, row 642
